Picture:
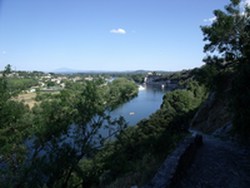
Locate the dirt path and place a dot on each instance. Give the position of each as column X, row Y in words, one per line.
column 218, row 164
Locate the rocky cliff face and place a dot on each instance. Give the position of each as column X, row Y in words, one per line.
column 214, row 116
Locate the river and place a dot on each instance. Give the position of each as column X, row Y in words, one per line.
column 149, row 100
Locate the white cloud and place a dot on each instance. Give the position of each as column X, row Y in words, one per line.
column 211, row 20
column 118, row 31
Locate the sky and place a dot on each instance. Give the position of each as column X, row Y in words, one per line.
column 104, row 35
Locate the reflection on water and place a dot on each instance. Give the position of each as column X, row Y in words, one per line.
column 149, row 100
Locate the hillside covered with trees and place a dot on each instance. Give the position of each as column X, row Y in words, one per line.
column 58, row 142
column 227, row 62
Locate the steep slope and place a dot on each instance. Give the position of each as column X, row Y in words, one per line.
column 214, row 116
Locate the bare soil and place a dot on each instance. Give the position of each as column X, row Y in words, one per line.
column 28, row 98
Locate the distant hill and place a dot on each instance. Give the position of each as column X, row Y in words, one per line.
column 65, row 70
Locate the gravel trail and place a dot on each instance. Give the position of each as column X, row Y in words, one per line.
column 219, row 164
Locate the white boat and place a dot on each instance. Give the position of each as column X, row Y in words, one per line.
column 141, row 87
column 131, row 113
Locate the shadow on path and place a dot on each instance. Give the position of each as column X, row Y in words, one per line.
column 218, row 163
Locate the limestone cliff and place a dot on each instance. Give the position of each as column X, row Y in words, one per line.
column 214, row 116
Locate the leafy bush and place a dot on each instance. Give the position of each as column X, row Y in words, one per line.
column 16, row 85
column 127, row 158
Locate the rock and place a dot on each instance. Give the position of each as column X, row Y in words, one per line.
column 176, row 163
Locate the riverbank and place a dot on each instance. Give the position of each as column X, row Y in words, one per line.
column 138, row 151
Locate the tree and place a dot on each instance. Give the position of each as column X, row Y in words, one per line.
column 14, row 121
column 228, row 36
column 228, row 43
column 8, row 69
column 67, row 129
column 120, row 91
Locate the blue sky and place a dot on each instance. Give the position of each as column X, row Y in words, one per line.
column 114, row 35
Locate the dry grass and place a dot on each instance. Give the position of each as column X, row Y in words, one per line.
column 28, row 98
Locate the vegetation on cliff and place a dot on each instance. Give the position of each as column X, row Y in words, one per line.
column 138, row 151
column 44, row 145
column 228, row 61
column 58, row 142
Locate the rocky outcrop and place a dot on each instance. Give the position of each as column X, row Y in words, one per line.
column 213, row 115
column 176, row 164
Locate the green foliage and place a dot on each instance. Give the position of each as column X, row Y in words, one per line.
column 4, row 93
column 8, row 69
column 42, row 96
column 50, row 84
column 228, row 43
column 228, row 37
column 53, row 120
column 121, row 90
column 63, row 132
column 138, row 78
column 148, row 143
column 181, row 101
column 14, row 121
column 18, row 84
column 179, row 106
column 206, row 75
column 65, row 128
